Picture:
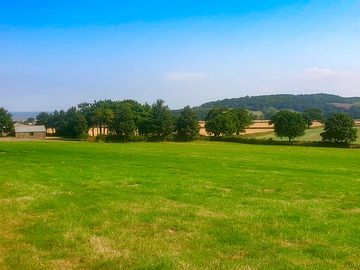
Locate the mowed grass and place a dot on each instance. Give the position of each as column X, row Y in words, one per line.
column 312, row 135
column 200, row 205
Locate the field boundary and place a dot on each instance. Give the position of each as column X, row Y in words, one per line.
column 284, row 143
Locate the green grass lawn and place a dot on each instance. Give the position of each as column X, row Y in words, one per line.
column 312, row 134
column 201, row 205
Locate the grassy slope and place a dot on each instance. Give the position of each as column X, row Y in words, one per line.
column 202, row 205
column 312, row 134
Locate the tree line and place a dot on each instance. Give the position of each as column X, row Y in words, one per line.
column 123, row 119
column 338, row 128
column 128, row 118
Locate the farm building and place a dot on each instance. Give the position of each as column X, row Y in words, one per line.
column 30, row 132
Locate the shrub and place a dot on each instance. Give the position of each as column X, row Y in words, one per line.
column 101, row 138
column 84, row 137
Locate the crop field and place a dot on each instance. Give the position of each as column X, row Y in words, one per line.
column 200, row 205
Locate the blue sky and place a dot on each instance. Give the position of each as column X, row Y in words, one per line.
column 54, row 54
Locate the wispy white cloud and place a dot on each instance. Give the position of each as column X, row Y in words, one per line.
column 322, row 73
column 184, row 76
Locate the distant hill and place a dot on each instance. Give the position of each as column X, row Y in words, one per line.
column 325, row 102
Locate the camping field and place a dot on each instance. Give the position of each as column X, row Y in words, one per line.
column 200, row 205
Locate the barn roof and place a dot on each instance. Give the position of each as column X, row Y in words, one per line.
column 26, row 129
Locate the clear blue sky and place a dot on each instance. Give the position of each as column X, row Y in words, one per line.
column 54, row 54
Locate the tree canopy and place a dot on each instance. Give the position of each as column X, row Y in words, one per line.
column 123, row 123
column 312, row 115
column 6, row 123
column 43, row 119
column 74, row 124
column 221, row 121
column 243, row 119
column 339, row 128
column 161, row 119
column 288, row 124
column 187, row 124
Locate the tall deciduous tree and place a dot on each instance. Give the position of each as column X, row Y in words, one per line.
column 187, row 124
column 123, row 123
column 144, row 120
column 162, row 120
column 339, row 128
column 103, row 114
column 243, row 119
column 212, row 113
column 288, row 124
column 87, row 109
column 311, row 115
column 221, row 122
column 6, row 123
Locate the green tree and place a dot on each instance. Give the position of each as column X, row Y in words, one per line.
column 57, row 121
column 243, row 119
column 212, row 113
column 144, row 120
column 162, row 120
column 6, row 123
column 123, row 123
column 76, row 123
column 43, row 119
column 288, row 124
column 339, row 128
column 187, row 124
column 224, row 123
column 71, row 124
column 87, row 109
column 312, row 115
column 103, row 114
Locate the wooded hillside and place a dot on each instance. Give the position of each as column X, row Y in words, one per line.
column 325, row 102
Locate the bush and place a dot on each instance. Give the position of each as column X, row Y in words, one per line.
column 101, row 138
column 91, row 139
column 84, row 137
column 118, row 138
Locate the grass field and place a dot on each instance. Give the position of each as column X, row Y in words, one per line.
column 201, row 205
column 312, row 134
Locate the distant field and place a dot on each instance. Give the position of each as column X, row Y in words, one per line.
column 201, row 205
column 310, row 135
